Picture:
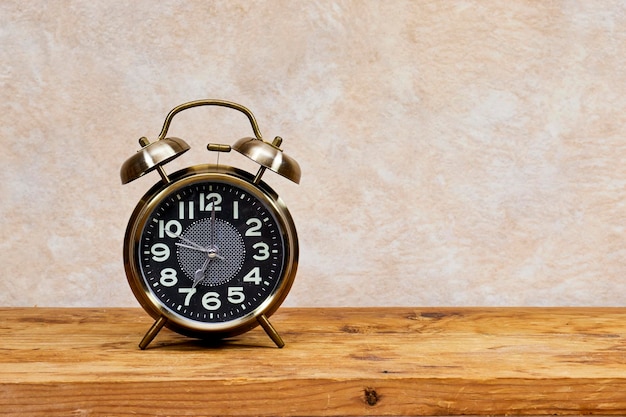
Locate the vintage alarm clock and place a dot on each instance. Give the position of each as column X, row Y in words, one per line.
column 210, row 251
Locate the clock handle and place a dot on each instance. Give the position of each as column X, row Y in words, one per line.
column 210, row 102
column 268, row 155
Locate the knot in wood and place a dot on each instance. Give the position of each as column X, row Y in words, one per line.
column 371, row 396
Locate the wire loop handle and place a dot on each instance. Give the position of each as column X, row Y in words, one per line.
column 210, row 102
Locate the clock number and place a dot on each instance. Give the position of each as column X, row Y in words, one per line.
column 209, row 200
column 235, row 210
column 160, row 252
column 190, row 292
column 264, row 251
column 211, row 301
column 172, row 228
column 181, row 210
column 168, row 277
column 253, row 276
column 236, row 295
column 255, row 227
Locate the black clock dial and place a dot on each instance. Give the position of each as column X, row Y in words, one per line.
column 211, row 251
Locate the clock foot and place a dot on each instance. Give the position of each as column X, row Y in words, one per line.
column 269, row 329
column 154, row 330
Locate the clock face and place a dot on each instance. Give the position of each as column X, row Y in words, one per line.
column 212, row 250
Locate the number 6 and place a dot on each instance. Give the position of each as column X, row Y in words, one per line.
column 211, row 301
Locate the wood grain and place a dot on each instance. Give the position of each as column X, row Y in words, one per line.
column 377, row 361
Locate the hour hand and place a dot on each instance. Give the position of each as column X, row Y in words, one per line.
column 199, row 274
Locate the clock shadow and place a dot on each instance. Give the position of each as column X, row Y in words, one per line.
column 189, row 345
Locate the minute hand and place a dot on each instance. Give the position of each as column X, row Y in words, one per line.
column 212, row 231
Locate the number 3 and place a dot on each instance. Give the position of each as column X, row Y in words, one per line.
column 264, row 251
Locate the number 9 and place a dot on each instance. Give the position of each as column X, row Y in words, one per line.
column 160, row 252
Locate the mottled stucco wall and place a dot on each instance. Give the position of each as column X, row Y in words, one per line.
column 453, row 153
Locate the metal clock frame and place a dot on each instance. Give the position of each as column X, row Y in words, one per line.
column 152, row 156
column 163, row 315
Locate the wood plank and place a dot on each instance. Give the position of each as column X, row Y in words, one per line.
column 352, row 361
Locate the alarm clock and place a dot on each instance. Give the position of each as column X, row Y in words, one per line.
column 210, row 251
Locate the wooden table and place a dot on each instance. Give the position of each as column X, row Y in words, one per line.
column 374, row 361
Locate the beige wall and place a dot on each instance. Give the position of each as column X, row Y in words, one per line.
column 453, row 153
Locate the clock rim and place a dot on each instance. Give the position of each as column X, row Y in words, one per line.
column 204, row 173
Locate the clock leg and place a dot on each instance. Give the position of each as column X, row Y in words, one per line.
column 154, row 330
column 269, row 329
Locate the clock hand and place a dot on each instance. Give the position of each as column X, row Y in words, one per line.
column 195, row 247
column 199, row 274
column 212, row 228
column 212, row 253
column 194, row 244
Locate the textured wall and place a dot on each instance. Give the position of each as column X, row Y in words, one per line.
column 453, row 153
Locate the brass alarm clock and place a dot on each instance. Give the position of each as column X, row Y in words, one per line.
column 210, row 251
